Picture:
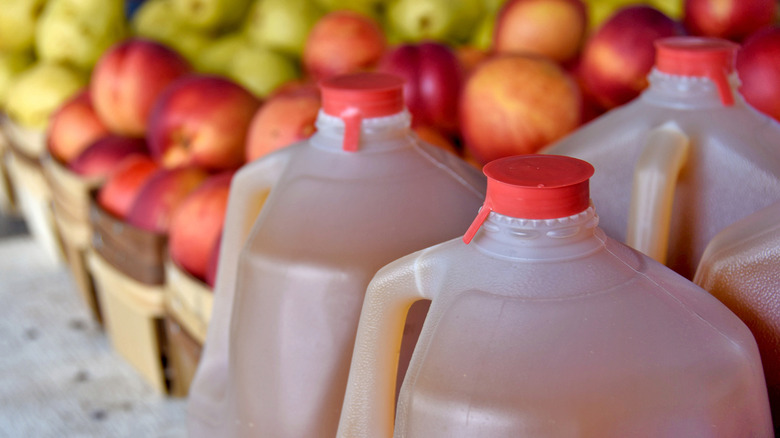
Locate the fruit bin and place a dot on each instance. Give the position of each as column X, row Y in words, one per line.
column 70, row 207
column 127, row 265
column 7, row 201
column 31, row 190
column 188, row 304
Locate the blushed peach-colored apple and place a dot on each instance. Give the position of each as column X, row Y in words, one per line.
column 551, row 28
column 160, row 195
column 434, row 77
column 435, row 137
column 121, row 187
column 286, row 117
column 127, row 81
column 201, row 120
column 342, row 42
column 618, row 57
column 517, row 104
column 731, row 19
column 103, row 155
column 758, row 67
column 73, row 127
column 196, row 224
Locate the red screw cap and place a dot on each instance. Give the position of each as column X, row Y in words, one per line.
column 713, row 58
column 534, row 187
column 353, row 97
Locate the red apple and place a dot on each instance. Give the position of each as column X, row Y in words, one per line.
column 286, row 117
column 73, row 127
column 104, row 155
column 196, row 224
column 731, row 19
column 618, row 57
column 127, row 80
column 758, row 67
column 434, row 77
column 551, row 28
column 213, row 266
column 342, row 42
column 203, row 121
column 516, row 104
column 160, row 195
column 122, row 186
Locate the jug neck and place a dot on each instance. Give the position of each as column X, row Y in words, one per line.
column 540, row 239
column 377, row 134
column 687, row 92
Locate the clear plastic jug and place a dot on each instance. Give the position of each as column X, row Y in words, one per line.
column 361, row 192
column 741, row 267
column 683, row 160
column 541, row 326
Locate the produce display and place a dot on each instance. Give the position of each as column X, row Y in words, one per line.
column 157, row 103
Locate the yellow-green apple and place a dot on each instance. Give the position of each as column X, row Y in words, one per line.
column 73, row 127
column 758, row 67
column 201, row 120
column 516, row 104
column 157, row 20
column 732, row 19
column 616, row 59
column 212, row 14
column 121, row 187
column 39, row 90
column 160, row 194
column 103, row 155
column 196, row 225
column 216, row 55
column 551, row 28
column 438, row 20
column 12, row 64
column 372, row 8
column 261, row 70
column 282, row 25
column 17, row 24
column 343, row 42
column 77, row 32
column 433, row 76
column 286, row 117
column 128, row 79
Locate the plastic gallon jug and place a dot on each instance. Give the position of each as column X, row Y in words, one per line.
column 683, row 160
column 541, row 326
column 361, row 192
column 741, row 267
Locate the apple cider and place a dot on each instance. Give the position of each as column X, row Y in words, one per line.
column 740, row 267
column 683, row 160
column 542, row 326
column 361, row 192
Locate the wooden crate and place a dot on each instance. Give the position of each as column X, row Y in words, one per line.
column 7, row 198
column 127, row 265
column 188, row 304
column 33, row 199
column 184, row 355
column 71, row 198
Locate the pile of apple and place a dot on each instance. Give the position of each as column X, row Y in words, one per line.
column 47, row 49
column 164, row 140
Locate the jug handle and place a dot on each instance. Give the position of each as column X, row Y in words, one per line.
column 250, row 187
column 369, row 402
column 652, row 196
